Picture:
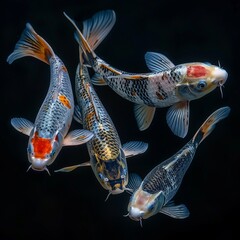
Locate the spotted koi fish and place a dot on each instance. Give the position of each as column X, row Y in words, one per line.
column 167, row 85
column 48, row 133
column 154, row 194
column 107, row 154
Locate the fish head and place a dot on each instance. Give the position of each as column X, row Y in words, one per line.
column 113, row 173
column 143, row 205
column 42, row 151
column 200, row 79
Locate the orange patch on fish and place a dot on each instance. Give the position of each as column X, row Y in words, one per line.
column 133, row 93
column 63, row 99
column 111, row 69
column 196, row 71
column 207, row 125
column 141, row 200
column 41, row 146
column 64, row 68
column 160, row 96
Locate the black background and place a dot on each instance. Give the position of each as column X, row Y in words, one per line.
column 71, row 205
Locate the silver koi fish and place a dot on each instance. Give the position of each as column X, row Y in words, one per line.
column 154, row 194
column 107, row 154
column 48, row 133
column 167, row 85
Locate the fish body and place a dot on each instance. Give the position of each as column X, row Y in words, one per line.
column 48, row 133
column 155, row 193
column 107, row 154
column 167, row 85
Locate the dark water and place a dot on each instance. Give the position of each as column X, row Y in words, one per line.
column 71, row 205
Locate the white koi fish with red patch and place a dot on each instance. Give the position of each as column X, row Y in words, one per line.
column 155, row 193
column 168, row 85
column 48, row 133
column 107, row 153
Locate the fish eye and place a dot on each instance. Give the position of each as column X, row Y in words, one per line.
column 52, row 153
column 150, row 208
column 106, row 179
column 201, row 84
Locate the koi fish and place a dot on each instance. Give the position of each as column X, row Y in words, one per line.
column 167, row 85
column 107, row 154
column 48, row 133
column 154, row 194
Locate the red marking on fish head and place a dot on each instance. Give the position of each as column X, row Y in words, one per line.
column 41, row 146
column 196, row 71
column 142, row 199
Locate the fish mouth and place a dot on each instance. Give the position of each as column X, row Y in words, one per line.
column 134, row 218
column 39, row 169
column 137, row 219
column 117, row 191
column 220, row 76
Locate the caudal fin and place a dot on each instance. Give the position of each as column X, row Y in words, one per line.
column 210, row 123
column 95, row 29
column 31, row 44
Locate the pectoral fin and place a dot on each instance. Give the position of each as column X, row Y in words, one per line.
column 144, row 115
column 22, row 125
column 134, row 148
column 77, row 137
column 98, row 80
column 134, row 182
column 73, row 167
column 178, row 118
column 179, row 211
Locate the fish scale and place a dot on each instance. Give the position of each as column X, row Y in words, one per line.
column 53, row 114
column 103, row 127
column 167, row 178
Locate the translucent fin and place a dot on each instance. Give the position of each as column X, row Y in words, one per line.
column 96, row 28
column 77, row 137
column 22, row 125
column 134, row 181
column 134, row 148
column 73, row 167
column 98, row 80
column 144, row 115
column 178, row 118
column 31, row 44
column 157, row 62
column 179, row 211
column 77, row 114
column 210, row 123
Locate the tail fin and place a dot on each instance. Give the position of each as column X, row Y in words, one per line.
column 95, row 29
column 31, row 44
column 210, row 123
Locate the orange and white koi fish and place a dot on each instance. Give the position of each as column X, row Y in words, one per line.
column 168, row 85
column 107, row 154
column 48, row 133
